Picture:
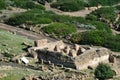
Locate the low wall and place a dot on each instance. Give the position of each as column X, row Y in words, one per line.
column 56, row 58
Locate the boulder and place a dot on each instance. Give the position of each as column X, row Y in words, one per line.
column 72, row 53
column 39, row 43
column 76, row 47
column 57, row 48
column 111, row 58
column 66, row 49
column 2, row 75
column 81, row 50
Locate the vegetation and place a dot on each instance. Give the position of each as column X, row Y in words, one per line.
column 26, row 4
column 3, row 4
column 118, row 7
column 98, row 37
column 59, row 29
column 69, row 5
column 37, row 16
column 12, row 44
column 102, row 2
column 94, row 37
column 43, row 1
column 104, row 71
column 106, row 13
column 113, row 43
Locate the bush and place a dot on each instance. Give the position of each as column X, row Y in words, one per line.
column 3, row 4
column 66, row 5
column 30, row 16
column 102, row 2
column 43, row 1
column 26, row 4
column 61, row 30
column 76, row 38
column 104, row 71
column 94, row 38
column 37, row 16
column 118, row 7
column 100, row 26
column 107, row 13
column 112, row 42
column 91, row 17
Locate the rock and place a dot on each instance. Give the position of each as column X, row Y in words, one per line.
column 33, row 54
column 90, row 67
column 39, row 43
column 76, row 47
column 30, row 78
column 80, row 51
column 57, row 49
column 111, row 58
column 2, row 75
column 66, row 49
column 72, row 53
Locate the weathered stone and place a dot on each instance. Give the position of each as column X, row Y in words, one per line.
column 57, row 48
column 18, row 61
column 80, row 51
column 2, row 75
column 39, row 43
column 111, row 58
column 73, row 53
column 66, row 49
column 76, row 47
column 42, row 61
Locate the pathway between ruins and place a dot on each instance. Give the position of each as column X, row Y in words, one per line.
column 28, row 34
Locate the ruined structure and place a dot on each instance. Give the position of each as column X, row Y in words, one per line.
column 73, row 56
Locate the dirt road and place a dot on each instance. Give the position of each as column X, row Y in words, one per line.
column 28, row 34
column 81, row 13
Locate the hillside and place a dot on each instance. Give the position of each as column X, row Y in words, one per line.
column 91, row 23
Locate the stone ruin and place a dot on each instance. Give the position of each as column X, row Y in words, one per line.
column 73, row 56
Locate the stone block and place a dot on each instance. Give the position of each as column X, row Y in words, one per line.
column 39, row 43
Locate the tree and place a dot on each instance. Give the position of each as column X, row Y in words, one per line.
column 104, row 71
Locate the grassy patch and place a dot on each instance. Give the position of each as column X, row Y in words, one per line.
column 3, row 4
column 18, row 73
column 26, row 4
column 12, row 44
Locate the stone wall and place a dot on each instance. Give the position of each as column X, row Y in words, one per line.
column 56, row 58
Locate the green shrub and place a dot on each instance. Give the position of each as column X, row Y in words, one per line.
column 61, row 30
column 94, row 38
column 3, row 4
column 112, row 42
column 26, row 4
column 107, row 13
column 100, row 26
column 102, row 2
column 69, row 5
column 43, row 21
column 76, row 38
column 91, row 17
column 37, row 16
column 118, row 7
column 104, row 71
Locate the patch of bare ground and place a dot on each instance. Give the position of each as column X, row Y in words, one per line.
column 23, row 32
column 10, row 11
column 81, row 13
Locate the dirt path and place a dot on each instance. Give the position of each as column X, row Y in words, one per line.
column 81, row 13
column 28, row 34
